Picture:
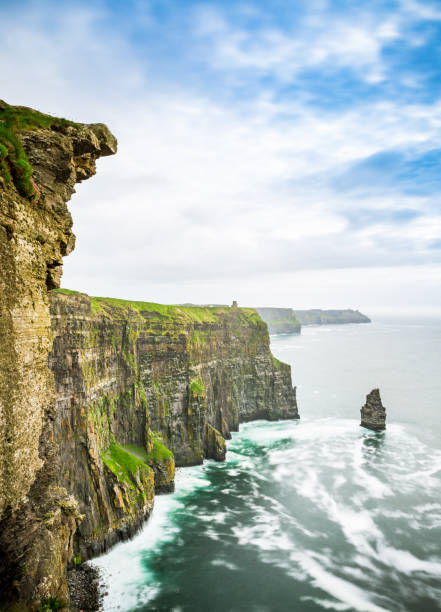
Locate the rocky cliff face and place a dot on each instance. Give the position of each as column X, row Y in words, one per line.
column 41, row 159
column 135, row 378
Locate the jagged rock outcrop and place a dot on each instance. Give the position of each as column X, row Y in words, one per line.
column 373, row 413
column 280, row 320
column 41, row 159
column 144, row 378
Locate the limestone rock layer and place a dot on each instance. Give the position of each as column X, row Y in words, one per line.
column 148, row 379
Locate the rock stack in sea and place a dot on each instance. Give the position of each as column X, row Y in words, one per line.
column 373, row 413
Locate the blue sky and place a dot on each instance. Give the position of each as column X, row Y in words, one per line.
column 282, row 153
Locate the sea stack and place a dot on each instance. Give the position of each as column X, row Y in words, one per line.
column 373, row 413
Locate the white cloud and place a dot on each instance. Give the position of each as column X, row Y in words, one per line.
column 329, row 42
column 419, row 10
column 212, row 196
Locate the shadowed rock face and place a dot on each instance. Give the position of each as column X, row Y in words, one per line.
column 37, row 517
column 373, row 413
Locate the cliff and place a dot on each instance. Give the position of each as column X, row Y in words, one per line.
column 280, row 320
column 41, row 159
column 141, row 378
column 98, row 397
column 316, row 316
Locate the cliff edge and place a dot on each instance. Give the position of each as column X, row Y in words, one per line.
column 41, row 160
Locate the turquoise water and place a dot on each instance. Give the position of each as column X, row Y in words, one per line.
column 313, row 515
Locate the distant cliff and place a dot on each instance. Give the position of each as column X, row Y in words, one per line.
column 280, row 320
column 138, row 380
column 330, row 317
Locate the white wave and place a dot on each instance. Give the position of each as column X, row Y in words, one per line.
column 264, row 535
column 407, row 563
column 218, row 517
column 276, row 506
column 394, row 514
column 212, row 534
column 428, row 508
column 342, row 590
column 128, row 582
column 375, row 487
column 226, row 564
column 353, row 485
column 339, row 481
column 327, row 604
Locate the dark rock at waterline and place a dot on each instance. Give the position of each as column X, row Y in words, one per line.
column 85, row 590
column 373, row 413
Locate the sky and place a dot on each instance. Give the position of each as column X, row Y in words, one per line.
column 282, row 153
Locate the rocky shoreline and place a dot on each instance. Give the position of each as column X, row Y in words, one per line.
column 86, row 588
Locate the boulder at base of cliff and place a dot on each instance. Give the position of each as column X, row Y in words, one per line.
column 373, row 413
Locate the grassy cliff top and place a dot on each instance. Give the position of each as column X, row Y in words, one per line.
column 21, row 119
column 181, row 314
column 14, row 164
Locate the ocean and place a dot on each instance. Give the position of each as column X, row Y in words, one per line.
column 310, row 515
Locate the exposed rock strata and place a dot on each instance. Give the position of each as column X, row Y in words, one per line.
column 37, row 517
column 133, row 372
column 373, row 413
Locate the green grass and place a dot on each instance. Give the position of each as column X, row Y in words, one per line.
column 196, row 387
column 253, row 317
column 185, row 314
column 49, row 605
column 25, row 119
column 128, row 460
column 197, row 337
column 137, row 450
column 14, row 164
column 193, row 325
column 122, row 463
column 276, row 362
column 177, row 314
column 159, row 452
column 65, row 291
